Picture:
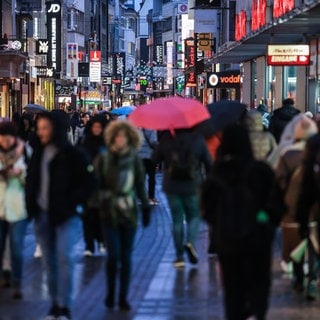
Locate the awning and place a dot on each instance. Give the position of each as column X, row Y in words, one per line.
column 298, row 26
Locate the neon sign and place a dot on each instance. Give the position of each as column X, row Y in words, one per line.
column 258, row 14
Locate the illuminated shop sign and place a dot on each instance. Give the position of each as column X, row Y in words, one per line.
column 280, row 7
column 288, row 55
column 241, row 21
column 258, row 14
column 54, row 34
column 190, row 53
column 226, row 79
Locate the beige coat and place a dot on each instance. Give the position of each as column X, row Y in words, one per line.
column 290, row 228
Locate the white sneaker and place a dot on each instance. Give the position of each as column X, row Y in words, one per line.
column 102, row 248
column 37, row 252
column 88, row 253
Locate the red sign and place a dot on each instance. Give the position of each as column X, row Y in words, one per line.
column 280, row 7
column 258, row 14
column 241, row 21
column 288, row 55
column 95, row 56
column 190, row 53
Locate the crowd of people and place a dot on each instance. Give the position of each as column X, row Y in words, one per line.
column 65, row 173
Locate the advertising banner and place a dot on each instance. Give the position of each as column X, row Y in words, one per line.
column 288, row 55
column 226, row 79
column 53, row 10
column 72, row 61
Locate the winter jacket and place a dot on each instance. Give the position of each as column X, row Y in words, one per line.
column 71, row 183
column 196, row 146
column 280, row 118
column 262, row 142
column 250, row 183
column 12, row 193
column 122, row 178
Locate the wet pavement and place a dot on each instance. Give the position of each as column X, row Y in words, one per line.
column 158, row 291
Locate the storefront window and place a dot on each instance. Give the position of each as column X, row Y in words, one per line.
column 269, row 90
column 289, row 82
column 253, row 83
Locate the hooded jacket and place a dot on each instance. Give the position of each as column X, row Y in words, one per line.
column 121, row 175
column 280, row 118
column 71, row 177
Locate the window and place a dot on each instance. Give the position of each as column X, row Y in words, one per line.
column 289, row 82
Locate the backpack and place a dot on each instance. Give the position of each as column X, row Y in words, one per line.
column 182, row 164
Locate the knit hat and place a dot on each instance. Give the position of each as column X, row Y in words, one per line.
column 305, row 128
column 8, row 128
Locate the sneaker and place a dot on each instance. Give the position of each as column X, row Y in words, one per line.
column 179, row 263
column 37, row 252
column 311, row 290
column 102, row 248
column 64, row 314
column 88, row 253
column 192, row 253
column 53, row 313
column 124, row 305
column 153, row 202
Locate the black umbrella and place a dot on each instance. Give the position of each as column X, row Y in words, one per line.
column 33, row 107
column 222, row 113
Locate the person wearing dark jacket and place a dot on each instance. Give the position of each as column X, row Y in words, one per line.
column 93, row 144
column 235, row 202
column 281, row 117
column 183, row 155
column 59, row 181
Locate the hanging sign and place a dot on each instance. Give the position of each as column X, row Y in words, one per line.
column 288, row 55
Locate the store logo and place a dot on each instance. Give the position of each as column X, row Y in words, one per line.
column 213, row 80
column 54, row 8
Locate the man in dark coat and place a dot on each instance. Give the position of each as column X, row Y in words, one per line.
column 281, row 117
column 236, row 202
column 59, row 181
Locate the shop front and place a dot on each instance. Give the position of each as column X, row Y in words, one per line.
column 291, row 68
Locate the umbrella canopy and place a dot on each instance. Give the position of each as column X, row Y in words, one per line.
column 33, row 107
column 222, row 114
column 123, row 111
column 169, row 114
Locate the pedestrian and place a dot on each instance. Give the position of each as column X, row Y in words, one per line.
column 59, row 181
column 281, row 117
column 79, row 132
column 235, row 202
column 289, row 161
column 93, row 144
column 265, row 115
column 145, row 152
column 13, row 214
column 307, row 210
column 185, row 157
column 262, row 142
column 121, row 181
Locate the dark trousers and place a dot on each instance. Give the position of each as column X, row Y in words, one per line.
column 150, row 169
column 246, row 280
column 91, row 228
column 119, row 240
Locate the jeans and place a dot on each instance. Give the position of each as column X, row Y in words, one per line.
column 119, row 241
column 184, row 208
column 16, row 232
column 57, row 244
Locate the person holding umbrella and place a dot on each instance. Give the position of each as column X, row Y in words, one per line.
column 183, row 153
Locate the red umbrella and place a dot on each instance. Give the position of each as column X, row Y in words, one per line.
column 169, row 114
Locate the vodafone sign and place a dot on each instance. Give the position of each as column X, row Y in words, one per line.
column 227, row 79
column 288, row 55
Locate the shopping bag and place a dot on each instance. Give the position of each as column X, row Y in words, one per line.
column 298, row 252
